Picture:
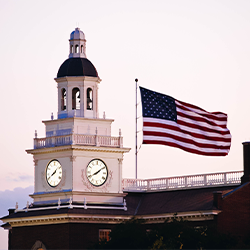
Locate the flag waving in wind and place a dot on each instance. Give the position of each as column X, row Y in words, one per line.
column 170, row 122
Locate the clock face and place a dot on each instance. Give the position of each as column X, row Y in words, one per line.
column 97, row 172
column 54, row 173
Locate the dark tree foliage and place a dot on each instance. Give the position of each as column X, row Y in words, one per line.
column 173, row 234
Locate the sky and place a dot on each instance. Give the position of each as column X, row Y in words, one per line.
column 195, row 51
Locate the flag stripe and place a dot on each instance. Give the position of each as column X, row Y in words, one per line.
column 184, row 131
column 186, row 147
column 199, row 118
column 213, row 115
column 167, row 121
column 186, row 139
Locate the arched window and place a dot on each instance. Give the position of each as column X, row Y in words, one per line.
column 77, row 49
column 76, row 98
column 63, row 99
column 81, row 48
column 38, row 245
column 89, row 99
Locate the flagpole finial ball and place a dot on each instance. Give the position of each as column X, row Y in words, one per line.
column 136, row 79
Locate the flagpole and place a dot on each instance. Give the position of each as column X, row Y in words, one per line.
column 136, row 151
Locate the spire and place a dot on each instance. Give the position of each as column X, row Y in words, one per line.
column 77, row 44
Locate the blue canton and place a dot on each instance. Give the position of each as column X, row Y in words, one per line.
column 157, row 105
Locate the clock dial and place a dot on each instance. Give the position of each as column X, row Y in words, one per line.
column 54, row 173
column 97, row 172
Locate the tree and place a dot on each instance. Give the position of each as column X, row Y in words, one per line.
column 173, row 234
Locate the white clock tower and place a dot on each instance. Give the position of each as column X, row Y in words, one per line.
column 78, row 160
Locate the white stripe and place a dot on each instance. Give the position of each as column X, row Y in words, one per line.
column 193, row 114
column 186, row 128
column 220, row 115
column 186, row 136
column 184, row 144
column 202, row 124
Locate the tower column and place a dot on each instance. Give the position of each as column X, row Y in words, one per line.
column 69, row 100
column 82, row 100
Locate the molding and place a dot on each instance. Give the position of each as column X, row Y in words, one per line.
column 77, row 147
column 107, row 219
column 78, row 78
column 72, row 158
column 35, row 161
column 72, row 193
column 65, row 120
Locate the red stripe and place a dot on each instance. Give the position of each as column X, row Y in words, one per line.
column 196, row 126
column 186, row 140
column 171, row 144
column 198, row 136
column 213, row 114
column 200, row 119
column 167, row 126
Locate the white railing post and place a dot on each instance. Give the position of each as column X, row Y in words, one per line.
column 185, row 181
column 96, row 138
column 120, row 138
column 35, row 140
column 205, row 180
column 54, row 138
column 225, row 178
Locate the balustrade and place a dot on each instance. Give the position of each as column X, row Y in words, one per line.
column 78, row 139
column 183, row 182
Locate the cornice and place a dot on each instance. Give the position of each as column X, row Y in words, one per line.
column 78, row 148
column 71, row 193
column 78, row 78
column 107, row 219
column 65, row 120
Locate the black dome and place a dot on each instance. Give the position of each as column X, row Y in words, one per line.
column 77, row 66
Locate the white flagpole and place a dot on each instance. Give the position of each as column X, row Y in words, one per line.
column 136, row 151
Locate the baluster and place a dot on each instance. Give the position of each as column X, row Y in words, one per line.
column 225, row 178
column 167, row 184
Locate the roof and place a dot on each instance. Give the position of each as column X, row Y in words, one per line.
column 77, row 66
column 153, row 203
column 77, row 34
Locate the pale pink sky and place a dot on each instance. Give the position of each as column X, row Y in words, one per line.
column 196, row 51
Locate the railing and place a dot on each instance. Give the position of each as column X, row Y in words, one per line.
column 78, row 139
column 183, row 182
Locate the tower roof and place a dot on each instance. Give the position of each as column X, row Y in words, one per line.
column 77, row 34
column 77, row 66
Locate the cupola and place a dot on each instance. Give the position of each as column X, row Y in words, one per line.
column 78, row 81
column 77, row 44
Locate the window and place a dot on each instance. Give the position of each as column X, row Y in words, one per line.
column 76, row 49
column 63, row 99
column 89, row 99
column 81, row 48
column 104, row 234
column 76, row 98
column 38, row 246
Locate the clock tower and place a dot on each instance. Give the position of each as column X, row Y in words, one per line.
column 78, row 196
column 78, row 160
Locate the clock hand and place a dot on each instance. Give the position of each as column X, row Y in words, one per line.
column 96, row 172
column 53, row 173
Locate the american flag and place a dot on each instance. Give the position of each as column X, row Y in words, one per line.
column 170, row 122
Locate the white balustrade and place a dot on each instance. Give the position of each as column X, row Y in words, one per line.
column 183, row 182
column 78, row 139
